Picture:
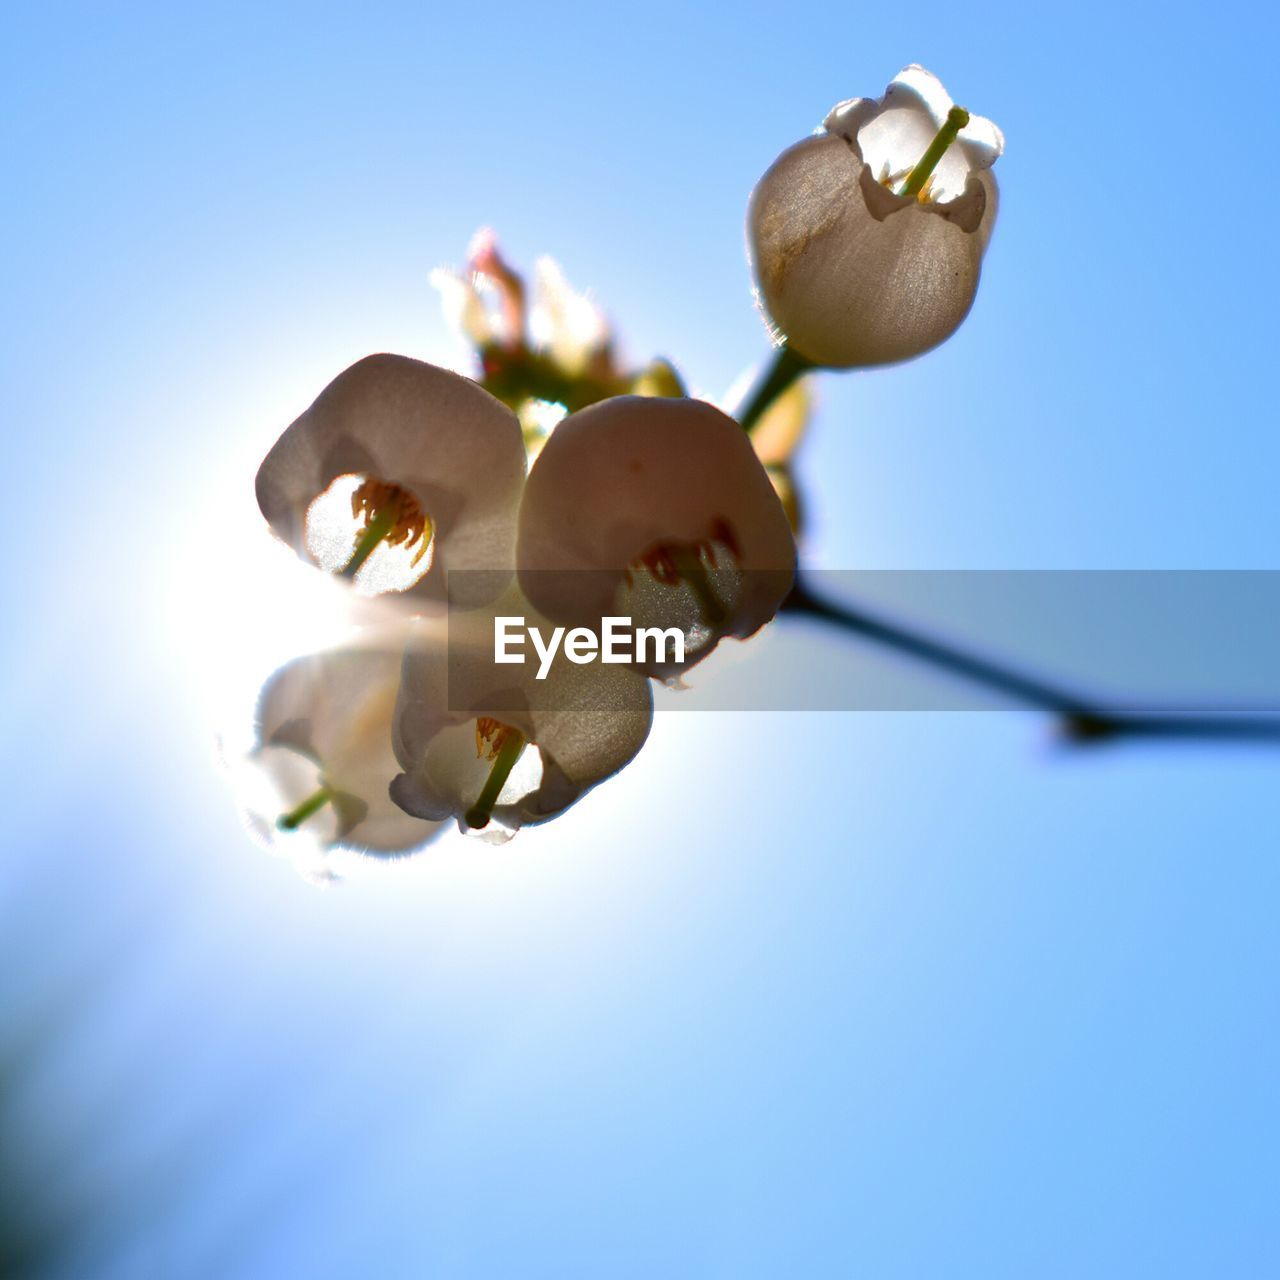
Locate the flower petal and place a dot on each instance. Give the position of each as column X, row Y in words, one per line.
column 980, row 141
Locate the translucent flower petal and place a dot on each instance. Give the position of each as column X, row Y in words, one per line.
column 630, row 476
column 925, row 87
column 435, row 435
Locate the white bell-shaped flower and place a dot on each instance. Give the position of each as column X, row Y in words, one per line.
column 398, row 473
column 862, row 254
column 324, row 759
column 494, row 746
column 658, row 510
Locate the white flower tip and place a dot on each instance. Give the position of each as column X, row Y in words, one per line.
column 926, row 86
column 983, row 142
column 981, row 138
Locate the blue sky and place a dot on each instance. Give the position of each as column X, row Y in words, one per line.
column 886, row 995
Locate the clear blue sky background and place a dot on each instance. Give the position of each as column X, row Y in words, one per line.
column 881, row 995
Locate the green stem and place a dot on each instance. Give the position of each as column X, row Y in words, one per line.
column 787, row 365
column 956, row 120
column 479, row 814
column 292, row 820
column 372, row 534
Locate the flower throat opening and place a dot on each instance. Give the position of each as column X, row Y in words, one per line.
column 388, row 514
column 368, row 530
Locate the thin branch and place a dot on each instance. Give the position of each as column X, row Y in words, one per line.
column 1084, row 720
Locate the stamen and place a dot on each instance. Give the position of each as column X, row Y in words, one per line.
column 510, row 744
column 491, row 736
column 956, row 120
column 890, row 178
column 390, row 514
column 312, row 805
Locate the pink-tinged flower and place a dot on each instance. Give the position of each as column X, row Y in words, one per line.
column 658, row 510
column 862, row 254
column 398, row 473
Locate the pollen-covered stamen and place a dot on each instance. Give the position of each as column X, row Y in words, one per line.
column 503, row 745
column 919, row 182
column 388, row 514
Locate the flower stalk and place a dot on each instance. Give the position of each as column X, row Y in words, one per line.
column 787, row 365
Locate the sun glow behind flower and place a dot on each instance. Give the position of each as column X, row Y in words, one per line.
column 251, row 608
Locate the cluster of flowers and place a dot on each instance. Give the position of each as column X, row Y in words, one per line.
column 559, row 486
